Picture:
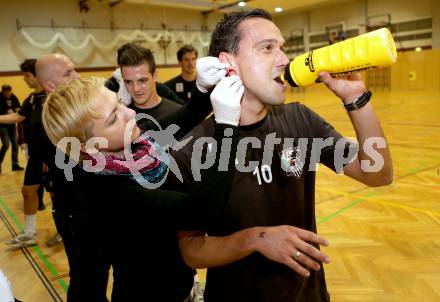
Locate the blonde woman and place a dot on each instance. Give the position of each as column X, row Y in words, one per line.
column 123, row 214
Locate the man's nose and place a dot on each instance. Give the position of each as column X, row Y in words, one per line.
column 283, row 59
column 136, row 86
column 129, row 113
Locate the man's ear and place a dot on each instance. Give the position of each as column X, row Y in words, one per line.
column 49, row 86
column 155, row 75
column 225, row 57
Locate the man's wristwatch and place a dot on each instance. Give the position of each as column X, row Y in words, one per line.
column 359, row 102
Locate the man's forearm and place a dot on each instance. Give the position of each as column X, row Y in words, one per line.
column 371, row 140
column 284, row 244
column 212, row 251
column 11, row 118
column 372, row 144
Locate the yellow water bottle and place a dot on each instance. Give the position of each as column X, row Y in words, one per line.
column 368, row 51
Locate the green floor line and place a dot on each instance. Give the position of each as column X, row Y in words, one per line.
column 340, row 211
column 64, row 285
column 411, row 171
column 36, row 248
column 421, row 167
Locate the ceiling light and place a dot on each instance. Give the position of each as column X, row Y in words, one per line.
column 418, row 49
column 278, row 9
column 241, row 3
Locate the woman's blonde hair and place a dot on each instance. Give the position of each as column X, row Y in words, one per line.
column 69, row 110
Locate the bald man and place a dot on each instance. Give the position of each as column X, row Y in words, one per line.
column 52, row 70
column 88, row 271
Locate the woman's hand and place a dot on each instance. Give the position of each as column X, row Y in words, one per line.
column 209, row 72
column 226, row 99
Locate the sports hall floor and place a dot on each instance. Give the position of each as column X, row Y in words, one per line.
column 384, row 242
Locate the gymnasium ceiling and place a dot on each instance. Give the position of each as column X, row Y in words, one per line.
column 226, row 5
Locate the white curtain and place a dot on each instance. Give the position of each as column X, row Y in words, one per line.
column 80, row 43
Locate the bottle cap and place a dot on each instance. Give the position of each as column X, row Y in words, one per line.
column 288, row 77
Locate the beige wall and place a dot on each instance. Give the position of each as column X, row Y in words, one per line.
column 435, row 24
column 354, row 13
column 350, row 12
column 19, row 87
column 400, row 10
column 292, row 21
column 424, row 65
column 66, row 12
column 14, row 47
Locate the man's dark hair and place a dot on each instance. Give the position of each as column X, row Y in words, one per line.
column 185, row 49
column 29, row 66
column 6, row 87
column 226, row 35
column 123, row 48
column 134, row 55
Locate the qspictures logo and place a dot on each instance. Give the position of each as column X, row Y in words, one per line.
column 204, row 153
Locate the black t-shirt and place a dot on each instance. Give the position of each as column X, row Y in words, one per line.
column 163, row 108
column 33, row 101
column 8, row 105
column 124, row 212
column 165, row 92
column 268, row 196
column 184, row 89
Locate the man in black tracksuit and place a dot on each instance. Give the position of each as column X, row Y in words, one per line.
column 8, row 132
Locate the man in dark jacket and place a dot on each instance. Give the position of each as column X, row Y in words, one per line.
column 8, row 133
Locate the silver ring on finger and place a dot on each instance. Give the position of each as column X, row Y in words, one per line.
column 297, row 254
